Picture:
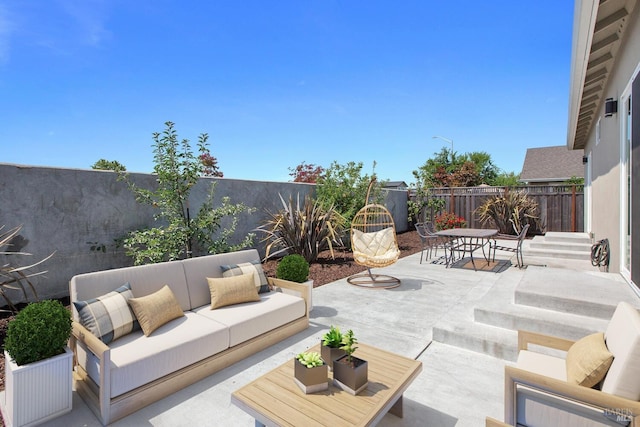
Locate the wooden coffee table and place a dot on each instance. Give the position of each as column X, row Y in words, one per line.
column 275, row 400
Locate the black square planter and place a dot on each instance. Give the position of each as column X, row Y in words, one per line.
column 350, row 377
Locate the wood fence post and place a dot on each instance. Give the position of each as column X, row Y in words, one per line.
column 573, row 208
column 452, row 201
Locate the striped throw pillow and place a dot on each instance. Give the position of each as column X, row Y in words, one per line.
column 254, row 267
column 109, row 316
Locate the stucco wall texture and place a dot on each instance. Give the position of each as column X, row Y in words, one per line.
column 71, row 211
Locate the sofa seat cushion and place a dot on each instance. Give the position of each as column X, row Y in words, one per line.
column 137, row 360
column 542, row 364
column 251, row 319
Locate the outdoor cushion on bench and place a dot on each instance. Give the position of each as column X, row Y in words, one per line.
column 136, row 360
column 251, row 319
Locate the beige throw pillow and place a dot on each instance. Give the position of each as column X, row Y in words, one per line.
column 156, row 309
column 588, row 360
column 232, row 290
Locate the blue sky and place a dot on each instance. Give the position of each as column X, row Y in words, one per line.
column 281, row 82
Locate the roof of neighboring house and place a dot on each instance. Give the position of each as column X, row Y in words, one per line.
column 395, row 184
column 551, row 164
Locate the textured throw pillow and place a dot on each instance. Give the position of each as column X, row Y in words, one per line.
column 245, row 268
column 232, row 290
column 588, row 360
column 109, row 316
column 156, row 309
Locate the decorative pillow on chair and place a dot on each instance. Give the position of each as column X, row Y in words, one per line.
column 245, row 268
column 588, row 360
column 232, row 290
column 109, row 316
column 156, row 309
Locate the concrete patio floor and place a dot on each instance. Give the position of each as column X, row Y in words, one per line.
column 457, row 387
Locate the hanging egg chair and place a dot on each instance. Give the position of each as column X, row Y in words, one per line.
column 374, row 244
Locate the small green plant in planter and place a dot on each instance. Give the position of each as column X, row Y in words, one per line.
column 38, row 364
column 310, row 372
column 349, row 372
column 39, row 331
column 331, row 343
column 293, row 267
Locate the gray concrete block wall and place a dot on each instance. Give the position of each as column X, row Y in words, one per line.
column 71, row 211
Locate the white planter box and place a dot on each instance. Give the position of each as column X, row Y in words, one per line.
column 37, row 392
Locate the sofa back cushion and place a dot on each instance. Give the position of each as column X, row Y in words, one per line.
column 623, row 340
column 144, row 280
column 198, row 269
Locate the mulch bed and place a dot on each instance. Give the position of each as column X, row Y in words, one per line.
column 325, row 270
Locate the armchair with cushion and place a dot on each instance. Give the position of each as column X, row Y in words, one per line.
column 597, row 382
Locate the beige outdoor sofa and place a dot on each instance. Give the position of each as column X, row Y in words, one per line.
column 538, row 392
column 135, row 370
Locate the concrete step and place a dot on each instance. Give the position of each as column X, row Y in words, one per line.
column 560, row 246
column 559, row 302
column 490, row 340
column 569, row 291
column 517, row 316
column 555, row 253
column 556, row 236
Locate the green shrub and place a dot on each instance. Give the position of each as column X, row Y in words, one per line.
column 39, row 331
column 294, row 268
column 344, row 188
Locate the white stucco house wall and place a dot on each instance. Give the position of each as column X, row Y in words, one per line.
column 604, row 122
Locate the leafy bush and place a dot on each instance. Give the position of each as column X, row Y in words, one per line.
column 509, row 212
column 344, row 188
column 14, row 276
column 39, row 331
column 294, row 268
column 448, row 220
column 305, row 229
column 177, row 170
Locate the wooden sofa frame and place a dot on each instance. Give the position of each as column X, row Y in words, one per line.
column 108, row 410
column 583, row 395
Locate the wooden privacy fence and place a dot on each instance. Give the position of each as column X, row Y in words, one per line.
column 561, row 207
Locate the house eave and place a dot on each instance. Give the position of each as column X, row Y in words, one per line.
column 598, row 31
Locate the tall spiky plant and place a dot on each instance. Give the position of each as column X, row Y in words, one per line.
column 509, row 212
column 303, row 228
column 12, row 276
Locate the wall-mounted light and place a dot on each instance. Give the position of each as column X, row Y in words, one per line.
column 610, row 107
column 585, row 160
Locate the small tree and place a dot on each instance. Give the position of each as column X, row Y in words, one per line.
column 304, row 172
column 344, row 188
column 109, row 165
column 177, row 170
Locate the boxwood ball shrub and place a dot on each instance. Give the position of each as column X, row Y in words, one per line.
column 39, row 331
column 294, row 268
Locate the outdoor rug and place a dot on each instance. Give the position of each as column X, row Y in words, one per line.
column 497, row 266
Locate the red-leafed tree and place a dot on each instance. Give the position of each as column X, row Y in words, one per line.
column 210, row 165
column 306, row 173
